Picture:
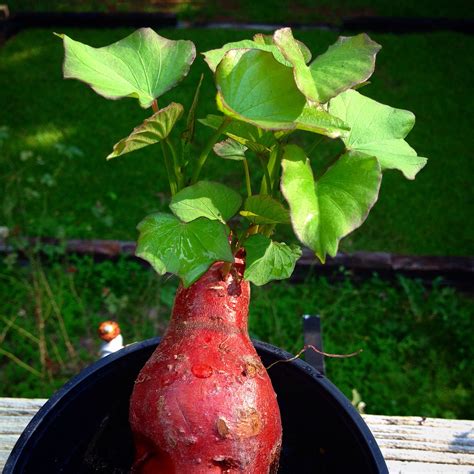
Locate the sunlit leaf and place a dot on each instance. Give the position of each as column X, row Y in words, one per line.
column 378, row 130
column 255, row 88
column 263, row 209
column 348, row 62
column 214, row 201
column 143, row 65
column 185, row 249
column 283, row 38
column 260, row 42
column 267, row 260
column 324, row 211
column 269, row 39
column 152, row 130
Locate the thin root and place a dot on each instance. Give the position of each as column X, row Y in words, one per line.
column 310, row 346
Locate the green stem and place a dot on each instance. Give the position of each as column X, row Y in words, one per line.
column 275, row 163
column 207, row 149
column 268, row 229
column 314, row 145
column 176, row 164
column 266, row 187
column 169, row 170
column 247, row 177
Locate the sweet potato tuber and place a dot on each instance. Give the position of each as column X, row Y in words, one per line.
column 203, row 403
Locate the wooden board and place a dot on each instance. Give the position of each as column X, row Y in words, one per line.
column 410, row 445
column 15, row 414
column 424, row 445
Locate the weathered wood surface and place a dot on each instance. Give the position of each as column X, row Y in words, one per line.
column 409, row 444
column 15, row 414
column 424, row 445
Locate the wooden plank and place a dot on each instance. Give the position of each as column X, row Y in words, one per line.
column 13, row 424
column 424, row 445
column 7, row 441
column 439, row 445
column 20, row 406
column 426, row 456
column 420, row 434
column 404, row 467
column 15, row 414
column 418, row 421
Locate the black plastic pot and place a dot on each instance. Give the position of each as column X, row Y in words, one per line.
column 83, row 428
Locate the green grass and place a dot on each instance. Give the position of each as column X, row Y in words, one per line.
column 51, row 191
column 417, row 355
column 264, row 11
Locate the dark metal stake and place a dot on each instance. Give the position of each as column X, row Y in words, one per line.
column 312, row 335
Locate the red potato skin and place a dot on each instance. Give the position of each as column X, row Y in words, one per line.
column 203, row 403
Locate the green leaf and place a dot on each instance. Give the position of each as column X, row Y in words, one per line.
column 378, row 130
column 230, row 150
column 214, row 56
column 255, row 88
column 255, row 139
column 268, row 39
column 348, row 62
column 152, row 130
column 206, row 199
column 267, row 260
column 283, row 38
column 185, row 249
column 263, row 209
column 260, row 42
column 324, row 211
column 143, row 65
column 317, row 120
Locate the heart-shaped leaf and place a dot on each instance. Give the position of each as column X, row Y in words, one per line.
column 324, row 211
column 267, row 260
column 254, row 138
column 206, row 199
column 378, row 130
column 255, row 88
column 143, row 65
column 152, row 130
column 185, row 249
column 263, row 209
column 348, row 62
column 230, row 150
